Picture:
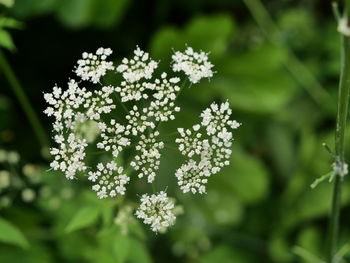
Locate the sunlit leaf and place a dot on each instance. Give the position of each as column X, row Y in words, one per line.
column 10, row 234
column 84, row 217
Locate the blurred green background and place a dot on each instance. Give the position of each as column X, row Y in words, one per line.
column 276, row 62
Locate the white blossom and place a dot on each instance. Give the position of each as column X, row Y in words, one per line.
column 156, row 210
column 109, row 180
column 139, row 120
column 208, row 150
column 87, row 119
column 134, row 90
column 193, row 177
column 164, row 107
column 69, row 155
column 216, row 117
column 139, row 67
column 113, row 137
column 194, row 64
column 147, row 159
column 94, row 66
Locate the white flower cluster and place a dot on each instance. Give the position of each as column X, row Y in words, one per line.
column 156, row 210
column 194, row 64
column 93, row 66
column 147, row 159
column 207, row 151
column 110, row 180
column 72, row 108
column 139, row 67
column 113, row 137
column 87, row 119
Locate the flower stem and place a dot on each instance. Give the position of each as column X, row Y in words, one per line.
column 343, row 100
column 24, row 101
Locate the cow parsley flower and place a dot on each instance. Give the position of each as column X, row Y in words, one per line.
column 156, row 210
column 208, row 147
column 110, row 122
column 215, row 118
column 69, row 155
column 139, row 67
column 194, row 64
column 110, row 180
column 134, row 90
column 94, row 66
column 113, row 137
column 147, row 159
column 193, row 177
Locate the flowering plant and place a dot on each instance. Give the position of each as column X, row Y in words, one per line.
column 87, row 119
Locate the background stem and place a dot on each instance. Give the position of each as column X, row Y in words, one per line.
column 343, row 100
column 24, row 101
column 296, row 68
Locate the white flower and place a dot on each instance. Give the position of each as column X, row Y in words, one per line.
column 215, row 118
column 164, row 107
column 110, row 180
column 113, row 137
column 139, row 120
column 194, row 64
column 157, row 211
column 148, row 154
column 212, row 148
column 193, row 177
column 137, row 68
column 134, row 90
column 94, row 66
column 69, row 156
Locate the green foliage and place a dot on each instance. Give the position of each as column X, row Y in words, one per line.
column 10, row 234
column 75, row 13
column 84, row 217
column 256, row 210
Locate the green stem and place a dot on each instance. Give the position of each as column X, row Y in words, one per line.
column 24, row 102
column 296, row 68
column 343, row 100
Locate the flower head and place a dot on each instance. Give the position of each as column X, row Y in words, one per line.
column 157, row 211
column 208, row 147
column 94, row 66
column 194, row 64
column 109, row 180
column 138, row 67
column 147, row 159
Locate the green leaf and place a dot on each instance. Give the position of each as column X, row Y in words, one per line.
column 76, row 13
column 210, row 33
column 139, row 253
column 109, row 12
column 84, row 217
column 7, row 3
column 121, row 247
column 10, row 23
column 224, row 254
column 246, row 177
column 6, row 40
column 10, row 234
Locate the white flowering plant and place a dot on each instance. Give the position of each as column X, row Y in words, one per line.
column 103, row 121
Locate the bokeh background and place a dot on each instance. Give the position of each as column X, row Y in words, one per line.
column 276, row 62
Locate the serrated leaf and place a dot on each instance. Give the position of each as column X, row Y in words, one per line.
column 84, row 217
column 10, row 234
